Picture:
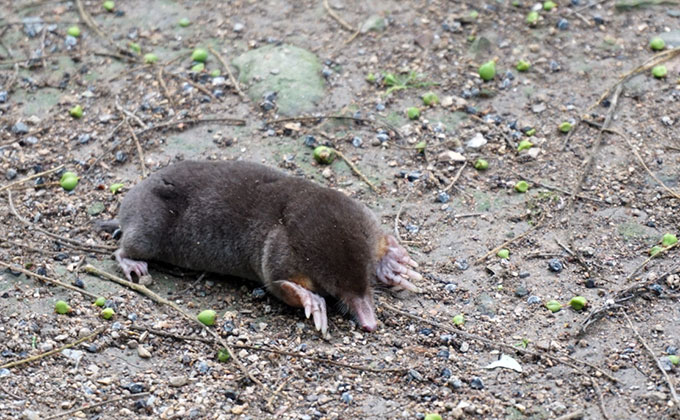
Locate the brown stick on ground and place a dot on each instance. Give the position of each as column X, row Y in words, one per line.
column 335, row 16
column 48, row 280
column 196, row 85
column 164, row 87
column 87, row 19
column 498, row 345
column 140, row 152
column 508, row 242
column 455, row 178
column 356, row 170
column 229, row 72
column 383, row 124
column 102, row 249
column 28, row 178
column 160, row 300
column 656, row 360
column 99, row 404
column 59, row 350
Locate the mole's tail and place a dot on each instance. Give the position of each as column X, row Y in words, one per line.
column 111, row 226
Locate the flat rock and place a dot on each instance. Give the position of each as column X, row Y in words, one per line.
column 292, row 72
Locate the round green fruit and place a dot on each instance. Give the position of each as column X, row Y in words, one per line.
column 207, row 317
column 487, row 71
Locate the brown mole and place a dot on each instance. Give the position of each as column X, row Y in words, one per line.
column 302, row 241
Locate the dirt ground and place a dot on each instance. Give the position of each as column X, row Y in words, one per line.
column 599, row 197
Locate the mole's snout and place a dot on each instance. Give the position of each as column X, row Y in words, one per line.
column 362, row 308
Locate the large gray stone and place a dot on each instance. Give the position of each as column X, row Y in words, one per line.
column 292, row 72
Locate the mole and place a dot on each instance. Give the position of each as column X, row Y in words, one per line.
column 302, row 241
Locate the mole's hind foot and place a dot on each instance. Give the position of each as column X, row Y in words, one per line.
column 314, row 305
column 140, row 268
column 395, row 267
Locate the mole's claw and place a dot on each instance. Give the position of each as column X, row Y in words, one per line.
column 394, row 268
column 313, row 304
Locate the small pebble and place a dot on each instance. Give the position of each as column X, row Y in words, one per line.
column 455, row 383
column 380, row 107
column 259, row 293
column 79, row 283
column 446, row 373
column 382, row 137
column 534, row 300
column 10, row 174
column 563, row 24
column 20, row 128
column 31, row 140
column 3, row 96
column 357, row 142
column 143, row 352
column 555, row 265
column 346, row 397
column 443, row 353
column 135, row 388
column 450, row 287
column 443, row 197
column 310, row 141
column 555, row 66
column 476, row 383
column 121, row 156
column 238, row 27
column 462, row 264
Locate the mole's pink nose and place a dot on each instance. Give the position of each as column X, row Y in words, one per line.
column 362, row 308
column 369, row 327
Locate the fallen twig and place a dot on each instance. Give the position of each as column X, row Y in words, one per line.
column 651, row 257
column 55, row 351
column 195, row 85
column 335, row 16
column 498, row 345
column 396, row 218
column 382, row 124
column 161, row 300
column 455, row 178
column 164, row 87
column 99, row 404
column 140, row 152
column 656, row 360
column 87, row 19
column 356, row 170
column 102, row 249
column 28, row 178
column 229, row 72
column 49, row 280
column 509, row 241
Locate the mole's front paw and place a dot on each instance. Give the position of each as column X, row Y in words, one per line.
column 395, row 267
column 314, row 305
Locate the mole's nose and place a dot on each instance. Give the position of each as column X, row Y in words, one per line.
column 369, row 327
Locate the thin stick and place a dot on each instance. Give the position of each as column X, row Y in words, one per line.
column 160, row 300
column 656, row 360
column 229, row 72
column 164, row 87
column 99, row 404
column 356, row 170
column 320, row 359
column 59, row 350
column 509, row 241
column 498, row 345
column 335, row 16
column 642, row 162
column 645, row 262
column 572, row 416
column 455, row 178
column 278, row 389
column 196, row 85
column 28, row 178
column 228, row 120
column 600, row 399
column 140, row 152
column 396, row 218
column 383, row 124
column 49, row 280
column 87, row 19
column 102, row 249
column 655, row 60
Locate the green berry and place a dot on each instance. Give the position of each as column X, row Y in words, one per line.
column 430, row 98
column 184, row 22
column 216, row 73
column 412, row 113
column 150, row 58
column 114, row 188
column 390, row 80
column 481, row 164
column 521, row 186
column 669, row 239
column 420, row 146
column 61, row 307
column 503, row 253
column 655, row 250
column 371, row 78
column 324, row 155
column 223, row 355
column 107, row 313
column 548, row 5
column 578, row 303
column 487, row 71
column 524, row 145
column 68, row 181
column 432, row 416
column 659, row 71
column 135, row 47
column 523, row 65
column 101, row 301
column 459, row 319
column 74, row 31
column 197, row 68
column 109, row 5
column 76, row 111
column 207, row 317
column 532, row 17
column 530, row 132
column 553, row 306
column 674, row 359
column 474, row 14
column 200, row 55
column 565, row 127
column 657, row 44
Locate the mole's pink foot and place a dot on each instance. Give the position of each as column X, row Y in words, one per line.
column 140, row 268
column 394, row 268
column 314, row 305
